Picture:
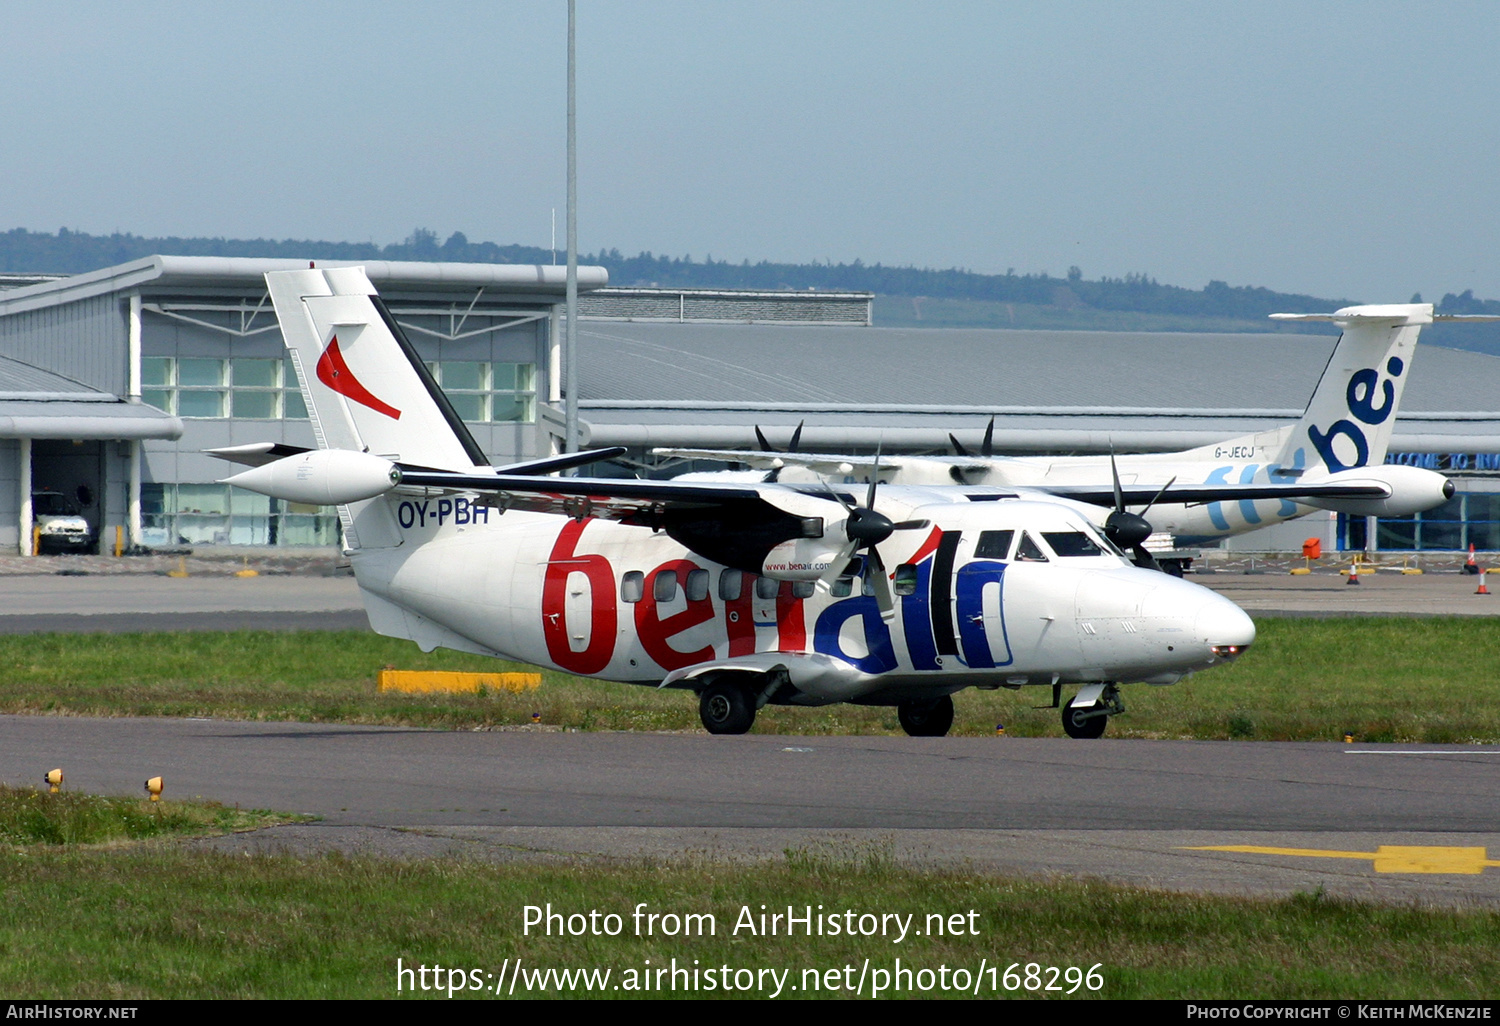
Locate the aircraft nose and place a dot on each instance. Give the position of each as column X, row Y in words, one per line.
column 1225, row 627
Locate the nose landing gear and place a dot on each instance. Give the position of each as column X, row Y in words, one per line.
column 1088, row 713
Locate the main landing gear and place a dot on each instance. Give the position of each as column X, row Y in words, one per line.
column 726, row 707
column 1087, row 714
column 926, row 719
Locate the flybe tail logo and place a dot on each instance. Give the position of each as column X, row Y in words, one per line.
column 1370, row 401
column 334, row 372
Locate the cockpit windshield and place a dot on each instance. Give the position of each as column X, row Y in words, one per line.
column 1072, row 543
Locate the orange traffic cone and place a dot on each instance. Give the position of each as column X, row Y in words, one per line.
column 1353, row 574
column 1471, row 567
column 1482, row 589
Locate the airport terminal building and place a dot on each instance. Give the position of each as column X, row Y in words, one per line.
column 112, row 384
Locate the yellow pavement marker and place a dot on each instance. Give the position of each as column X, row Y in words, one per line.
column 421, row 681
column 1388, row 858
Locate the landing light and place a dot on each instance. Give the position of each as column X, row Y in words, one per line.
column 1228, row 651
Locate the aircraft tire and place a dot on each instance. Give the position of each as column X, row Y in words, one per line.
column 926, row 719
column 1088, row 729
column 725, row 708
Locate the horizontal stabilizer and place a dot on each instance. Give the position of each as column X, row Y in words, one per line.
column 256, row 454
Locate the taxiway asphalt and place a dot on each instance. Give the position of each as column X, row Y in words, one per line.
column 1129, row 811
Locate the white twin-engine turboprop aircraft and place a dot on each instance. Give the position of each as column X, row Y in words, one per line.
column 746, row 593
column 1330, row 459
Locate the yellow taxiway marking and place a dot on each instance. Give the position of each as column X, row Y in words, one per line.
column 447, row 680
column 1388, row 858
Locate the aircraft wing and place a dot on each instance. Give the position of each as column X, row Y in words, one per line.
column 822, row 464
column 1349, row 486
column 1188, row 494
column 627, row 499
column 827, row 464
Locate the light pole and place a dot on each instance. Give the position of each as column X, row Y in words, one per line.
column 570, row 337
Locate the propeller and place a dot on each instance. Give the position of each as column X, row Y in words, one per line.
column 765, row 446
column 986, row 449
column 865, row 528
column 1130, row 530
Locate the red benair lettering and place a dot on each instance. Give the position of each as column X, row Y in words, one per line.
column 601, row 603
column 791, row 621
column 334, row 372
column 654, row 630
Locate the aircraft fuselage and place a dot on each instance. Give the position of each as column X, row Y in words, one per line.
column 620, row 602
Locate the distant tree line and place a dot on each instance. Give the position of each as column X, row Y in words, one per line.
column 69, row 252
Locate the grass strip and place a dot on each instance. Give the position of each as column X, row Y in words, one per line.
column 30, row 817
column 1379, row 678
column 162, row 923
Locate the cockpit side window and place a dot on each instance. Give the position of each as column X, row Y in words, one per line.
column 993, row 544
column 1072, row 543
column 906, row 579
column 1028, row 551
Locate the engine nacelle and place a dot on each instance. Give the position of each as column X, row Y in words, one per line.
column 1412, row 490
column 325, row 477
column 801, row 559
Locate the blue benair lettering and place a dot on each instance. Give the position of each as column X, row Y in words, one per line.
column 880, row 656
column 422, row 513
column 1359, row 397
column 973, row 631
column 916, row 621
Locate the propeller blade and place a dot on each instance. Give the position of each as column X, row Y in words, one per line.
column 874, row 481
column 987, row 449
column 839, row 565
column 1114, row 474
column 796, row 437
column 875, row 573
column 911, row 525
column 760, row 439
column 958, row 447
column 1144, row 559
column 1159, row 494
column 836, row 496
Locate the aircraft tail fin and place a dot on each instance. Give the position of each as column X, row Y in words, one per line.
column 366, row 387
column 1352, row 412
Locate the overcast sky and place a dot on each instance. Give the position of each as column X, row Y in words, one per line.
column 1340, row 149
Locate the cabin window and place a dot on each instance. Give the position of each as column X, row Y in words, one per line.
column 766, row 588
column 1072, row 543
column 633, row 586
column 697, row 585
column 842, row 587
column 731, row 583
column 993, row 544
column 664, row 586
column 1028, row 551
column 803, row 589
column 906, row 578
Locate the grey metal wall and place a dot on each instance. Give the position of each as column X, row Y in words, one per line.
column 85, row 340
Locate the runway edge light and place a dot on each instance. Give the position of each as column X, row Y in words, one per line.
column 153, row 788
column 54, row 780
